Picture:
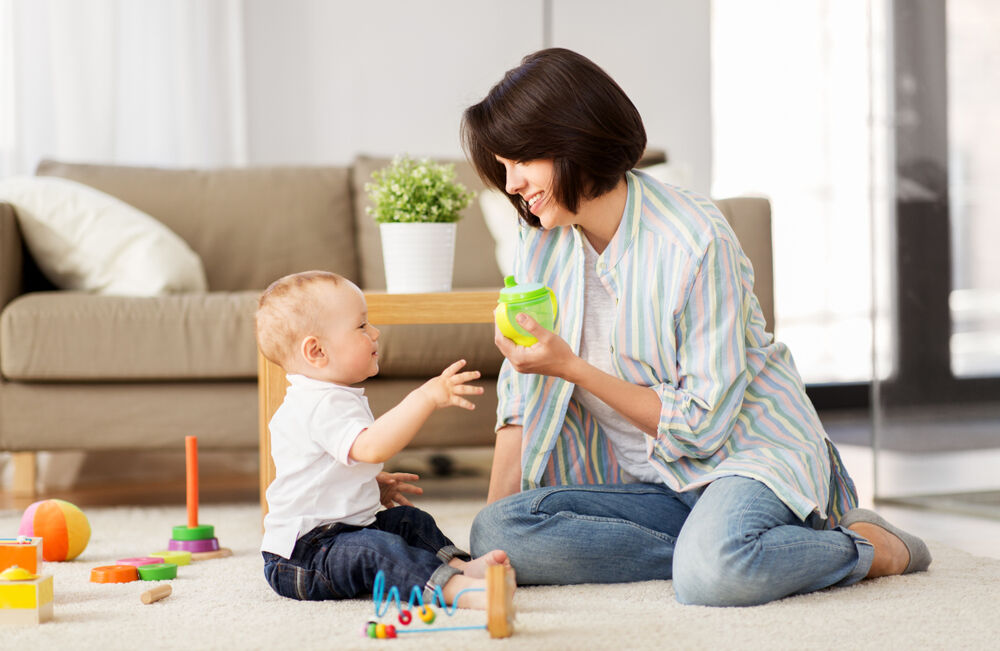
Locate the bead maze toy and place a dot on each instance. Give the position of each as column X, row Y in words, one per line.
column 25, row 598
column 499, row 607
column 194, row 537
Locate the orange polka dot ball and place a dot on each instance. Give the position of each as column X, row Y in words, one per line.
column 64, row 529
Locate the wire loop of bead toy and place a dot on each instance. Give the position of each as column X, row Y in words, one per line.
column 382, row 599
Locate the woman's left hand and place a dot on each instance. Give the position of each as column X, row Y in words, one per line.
column 551, row 355
column 391, row 486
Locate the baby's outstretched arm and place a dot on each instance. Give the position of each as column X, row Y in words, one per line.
column 394, row 430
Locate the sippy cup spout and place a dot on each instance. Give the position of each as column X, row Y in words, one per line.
column 509, row 281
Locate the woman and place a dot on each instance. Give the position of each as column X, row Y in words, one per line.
column 659, row 431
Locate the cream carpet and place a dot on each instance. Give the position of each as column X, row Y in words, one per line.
column 226, row 604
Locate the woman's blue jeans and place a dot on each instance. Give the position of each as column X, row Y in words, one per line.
column 732, row 544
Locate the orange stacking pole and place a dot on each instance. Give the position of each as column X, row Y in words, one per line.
column 191, row 455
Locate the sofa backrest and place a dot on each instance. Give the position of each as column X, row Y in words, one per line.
column 249, row 225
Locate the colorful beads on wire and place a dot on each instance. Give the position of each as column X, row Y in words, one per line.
column 379, row 631
column 383, row 598
column 426, row 614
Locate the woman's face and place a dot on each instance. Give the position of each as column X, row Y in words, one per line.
column 533, row 180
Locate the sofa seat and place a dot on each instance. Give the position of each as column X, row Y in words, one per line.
column 74, row 336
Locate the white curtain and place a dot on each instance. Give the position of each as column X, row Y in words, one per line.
column 155, row 82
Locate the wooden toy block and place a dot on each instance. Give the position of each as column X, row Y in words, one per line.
column 23, row 551
column 25, row 601
column 500, row 601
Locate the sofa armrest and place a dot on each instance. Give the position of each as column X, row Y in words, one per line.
column 750, row 218
column 11, row 256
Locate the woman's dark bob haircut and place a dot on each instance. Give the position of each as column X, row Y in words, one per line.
column 556, row 105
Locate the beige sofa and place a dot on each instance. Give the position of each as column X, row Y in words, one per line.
column 88, row 372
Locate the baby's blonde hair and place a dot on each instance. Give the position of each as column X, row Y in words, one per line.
column 287, row 311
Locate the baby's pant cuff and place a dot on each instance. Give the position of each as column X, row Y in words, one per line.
column 449, row 552
column 440, row 576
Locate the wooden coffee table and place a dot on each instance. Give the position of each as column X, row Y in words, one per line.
column 460, row 306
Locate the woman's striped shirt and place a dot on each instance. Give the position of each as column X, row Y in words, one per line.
column 688, row 326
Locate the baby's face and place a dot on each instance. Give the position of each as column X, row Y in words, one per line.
column 350, row 342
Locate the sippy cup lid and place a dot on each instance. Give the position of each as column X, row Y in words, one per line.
column 513, row 292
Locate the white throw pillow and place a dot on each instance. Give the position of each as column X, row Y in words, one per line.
column 84, row 239
column 501, row 219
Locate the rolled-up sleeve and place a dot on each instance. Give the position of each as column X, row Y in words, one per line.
column 698, row 414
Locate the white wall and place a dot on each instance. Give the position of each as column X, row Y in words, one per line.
column 329, row 80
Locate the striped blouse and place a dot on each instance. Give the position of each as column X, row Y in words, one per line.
column 688, row 326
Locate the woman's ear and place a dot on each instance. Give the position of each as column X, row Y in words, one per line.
column 313, row 353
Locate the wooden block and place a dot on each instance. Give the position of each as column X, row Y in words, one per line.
column 155, row 594
column 26, row 602
column 23, row 551
column 221, row 552
column 500, row 601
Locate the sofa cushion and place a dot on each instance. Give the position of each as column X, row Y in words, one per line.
column 249, row 225
column 77, row 336
column 85, row 239
column 73, row 336
column 475, row 264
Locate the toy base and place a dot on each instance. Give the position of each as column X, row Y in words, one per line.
column 194, row 546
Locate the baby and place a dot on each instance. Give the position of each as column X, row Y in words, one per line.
column 324, row 535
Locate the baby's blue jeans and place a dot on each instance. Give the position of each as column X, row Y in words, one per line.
column 340, row 561
column 732, row 544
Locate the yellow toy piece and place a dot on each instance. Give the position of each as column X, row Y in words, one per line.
column 25, row 598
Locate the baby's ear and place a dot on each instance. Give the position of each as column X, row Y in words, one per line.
column 312, row 351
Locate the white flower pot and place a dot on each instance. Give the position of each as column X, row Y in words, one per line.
column 418, row 257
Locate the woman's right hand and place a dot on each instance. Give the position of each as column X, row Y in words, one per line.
column 505, row 476
column 551, row 355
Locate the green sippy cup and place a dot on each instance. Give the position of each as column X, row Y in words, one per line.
column 534, row 299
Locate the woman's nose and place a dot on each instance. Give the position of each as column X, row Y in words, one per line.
column 514, row 180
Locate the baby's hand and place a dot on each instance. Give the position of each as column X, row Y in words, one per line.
column 447, row 389
column 392, row 485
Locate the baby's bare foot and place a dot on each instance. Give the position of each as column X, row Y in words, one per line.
column 470, row 592
column 476, row 568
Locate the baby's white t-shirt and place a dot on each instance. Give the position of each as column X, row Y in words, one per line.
column 315, row 481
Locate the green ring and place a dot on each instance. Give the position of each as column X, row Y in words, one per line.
column 157, row 572
column 199, row 532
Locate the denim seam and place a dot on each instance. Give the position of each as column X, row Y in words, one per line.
column 593, row 518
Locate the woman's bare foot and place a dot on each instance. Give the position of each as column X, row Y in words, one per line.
column 476, row 568
column 891, row 555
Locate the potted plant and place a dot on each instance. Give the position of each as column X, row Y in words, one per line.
column 417, row 204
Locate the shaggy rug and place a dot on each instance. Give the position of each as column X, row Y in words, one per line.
column 226, row 604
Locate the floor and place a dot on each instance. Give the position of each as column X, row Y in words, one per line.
column 235, row 480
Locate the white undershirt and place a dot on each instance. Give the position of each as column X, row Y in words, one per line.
column 599, row 309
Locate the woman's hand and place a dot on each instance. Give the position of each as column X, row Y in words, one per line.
column 391, row 486
column 550, row 356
